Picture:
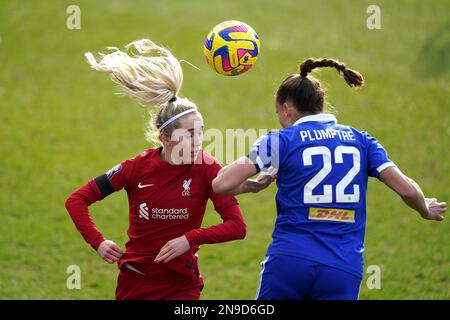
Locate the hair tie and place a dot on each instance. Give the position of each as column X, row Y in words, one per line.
column 174, row 98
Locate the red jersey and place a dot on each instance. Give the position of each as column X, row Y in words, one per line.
column 165, row 202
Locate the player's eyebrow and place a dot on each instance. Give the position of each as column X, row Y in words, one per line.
column 193, row 129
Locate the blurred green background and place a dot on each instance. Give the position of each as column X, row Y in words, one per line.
column 61, row 124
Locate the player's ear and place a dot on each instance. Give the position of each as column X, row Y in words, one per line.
column 287, row 109
column 167, row 140
column 164, row 138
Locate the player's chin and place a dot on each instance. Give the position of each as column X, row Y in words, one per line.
column 190, row 158
column 194, row 155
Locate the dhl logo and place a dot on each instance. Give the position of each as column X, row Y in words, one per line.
column 332, row 214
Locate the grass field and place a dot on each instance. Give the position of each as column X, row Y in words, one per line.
column 61, row 124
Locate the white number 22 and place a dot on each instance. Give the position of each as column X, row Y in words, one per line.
column 327, row 196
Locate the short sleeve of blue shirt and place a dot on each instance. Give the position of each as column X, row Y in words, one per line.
column 265, row 152
column 377, row 157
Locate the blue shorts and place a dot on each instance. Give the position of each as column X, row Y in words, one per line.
column 293, row 278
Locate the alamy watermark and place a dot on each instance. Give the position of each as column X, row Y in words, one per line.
column 73, row 281
column 226, row 146
column 73, row 21
column 373, row 281
column 374, row 19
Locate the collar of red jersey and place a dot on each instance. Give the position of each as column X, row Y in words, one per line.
column 322, row 117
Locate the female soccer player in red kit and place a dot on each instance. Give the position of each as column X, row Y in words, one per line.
column 168, row 187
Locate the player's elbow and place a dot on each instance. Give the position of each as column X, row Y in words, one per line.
column 241, row 230
column 73, row 202
column 70, row 203
column 243, row 233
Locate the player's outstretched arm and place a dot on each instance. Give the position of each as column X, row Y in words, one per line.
column 412, row 195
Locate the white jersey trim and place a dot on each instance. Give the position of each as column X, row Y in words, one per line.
column 321, row 117
column 385, row 166
column 263, row 267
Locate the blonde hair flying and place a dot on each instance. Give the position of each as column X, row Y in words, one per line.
column 152, row 76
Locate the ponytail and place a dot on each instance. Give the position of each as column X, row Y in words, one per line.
column 306, row 92
column 151, row 75
column 352, row 77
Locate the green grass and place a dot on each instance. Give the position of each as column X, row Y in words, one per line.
column 61, row 124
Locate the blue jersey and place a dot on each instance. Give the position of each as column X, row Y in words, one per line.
column 323, row 168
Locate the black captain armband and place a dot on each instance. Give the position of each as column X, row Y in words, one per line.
column 252, row 158
column 104, row 185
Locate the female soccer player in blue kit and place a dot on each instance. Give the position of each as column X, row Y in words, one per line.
column 321, row 168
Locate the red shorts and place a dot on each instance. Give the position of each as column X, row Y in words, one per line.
column 164, row 285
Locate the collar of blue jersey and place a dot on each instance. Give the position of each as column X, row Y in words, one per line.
column 322, row 117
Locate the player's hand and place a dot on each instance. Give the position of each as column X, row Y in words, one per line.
column 109, row 251
column 263, row 180
column 172, row 249
column 435, row 209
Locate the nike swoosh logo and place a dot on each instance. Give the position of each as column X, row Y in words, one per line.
column 140, row 186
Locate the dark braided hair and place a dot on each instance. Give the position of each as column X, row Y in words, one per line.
column 306, row 92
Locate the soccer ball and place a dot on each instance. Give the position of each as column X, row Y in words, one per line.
column 231, row 48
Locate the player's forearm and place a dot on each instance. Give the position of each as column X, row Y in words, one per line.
column 83, row 222
column 415, row 198
column 226, row 231
column 233, row 228
column 226, row 183
column 233, row 179
column 77, row 206
column 406, row 188
column 244, row 187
